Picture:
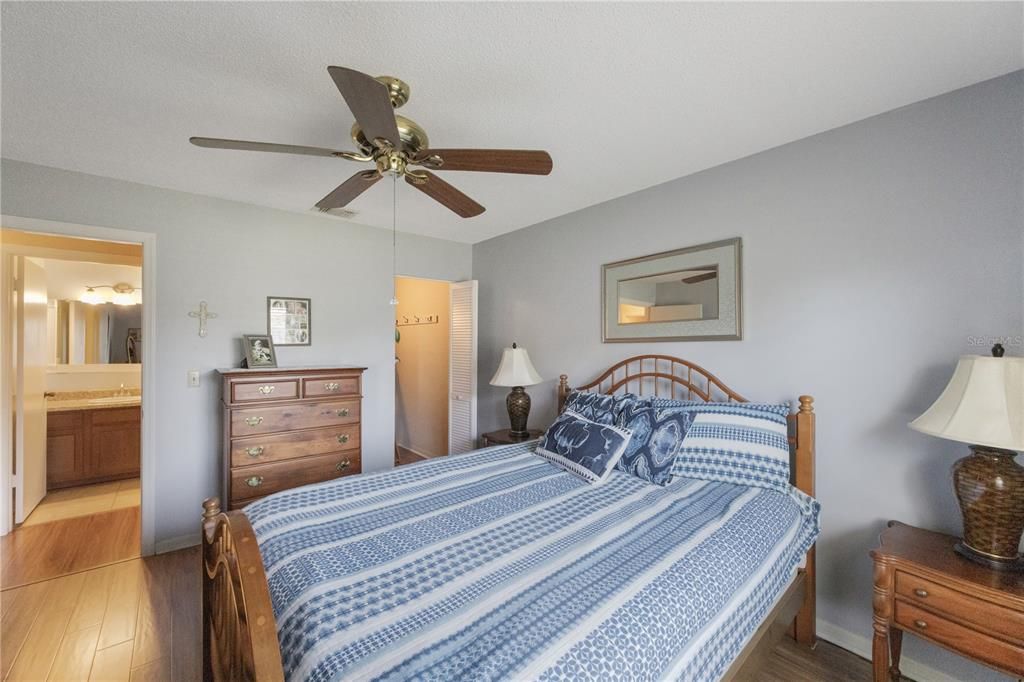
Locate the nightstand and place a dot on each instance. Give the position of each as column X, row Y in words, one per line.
column 924, row 587
column 504, row 437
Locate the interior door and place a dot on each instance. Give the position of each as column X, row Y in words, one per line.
column 462, row 368
column 30, row 384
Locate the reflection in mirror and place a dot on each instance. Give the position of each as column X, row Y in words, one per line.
column 678, row 296
column 81, row 333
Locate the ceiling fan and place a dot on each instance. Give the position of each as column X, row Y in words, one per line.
column 394, row 143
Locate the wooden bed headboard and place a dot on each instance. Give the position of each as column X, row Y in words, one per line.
column 665, row 376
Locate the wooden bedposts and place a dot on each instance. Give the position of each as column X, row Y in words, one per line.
column 239, row 632
column 563, row 391
column 804, row 629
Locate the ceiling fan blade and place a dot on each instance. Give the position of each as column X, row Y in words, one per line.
column 349, row 190
column 697, row 279
column 370, row 103
column 441, row 192
column 531, row 162
column 245, row 145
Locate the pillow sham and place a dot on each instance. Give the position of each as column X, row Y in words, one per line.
column 657, row 436
column 582, row 446
column 781, row 409
column 736, row 444
column 598, row 407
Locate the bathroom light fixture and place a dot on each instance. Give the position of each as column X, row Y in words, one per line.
column 123, row 294
column 91, row 297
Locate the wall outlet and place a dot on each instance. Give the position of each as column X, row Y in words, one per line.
column 193, row 378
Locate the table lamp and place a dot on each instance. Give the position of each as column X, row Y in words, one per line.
column 983, row 405
column 516, row 370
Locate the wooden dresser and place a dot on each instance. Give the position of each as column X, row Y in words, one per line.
column 288, row 427
column 924, row 587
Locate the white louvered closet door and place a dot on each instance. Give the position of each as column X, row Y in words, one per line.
column 462, row 369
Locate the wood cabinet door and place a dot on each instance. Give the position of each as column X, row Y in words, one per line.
column 114, row 445
column 65, row 458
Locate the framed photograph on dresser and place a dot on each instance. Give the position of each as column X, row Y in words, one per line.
column 289, row 320
column 259, row 351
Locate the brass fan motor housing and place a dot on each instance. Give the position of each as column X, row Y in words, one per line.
column 398, row 90
column 414, row 138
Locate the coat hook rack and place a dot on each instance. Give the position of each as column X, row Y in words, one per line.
column 417, row 320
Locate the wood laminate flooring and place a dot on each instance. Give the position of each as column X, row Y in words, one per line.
column 140, row 619
column 134, row 620
column 85, row 500
column 47, row 550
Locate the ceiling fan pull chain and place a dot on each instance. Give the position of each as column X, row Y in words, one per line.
column 394, row 238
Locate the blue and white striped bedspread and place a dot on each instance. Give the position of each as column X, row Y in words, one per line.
column 498, row 565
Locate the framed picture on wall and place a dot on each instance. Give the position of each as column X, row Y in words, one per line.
column 289, row 321
column 259, row 351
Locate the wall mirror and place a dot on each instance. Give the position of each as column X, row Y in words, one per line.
column 690, row 294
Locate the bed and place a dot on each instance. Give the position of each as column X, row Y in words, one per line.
column 496, row 564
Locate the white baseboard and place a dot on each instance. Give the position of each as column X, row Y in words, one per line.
column 861, row 645
column 180, row 542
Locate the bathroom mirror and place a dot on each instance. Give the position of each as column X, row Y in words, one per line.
column 681, row 295
column 85, row 334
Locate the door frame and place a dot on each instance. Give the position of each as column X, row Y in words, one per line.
column 149, row 376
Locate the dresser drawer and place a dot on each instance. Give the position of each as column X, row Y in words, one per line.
column 262, row 449
column 264, row 479
column 989, row 649
column 316, row 387
column 246, row 391
column 255, row 420
column 948, row 601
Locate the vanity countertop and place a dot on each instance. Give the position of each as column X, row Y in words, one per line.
column 66, row 401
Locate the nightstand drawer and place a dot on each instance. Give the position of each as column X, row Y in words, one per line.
column 947, row 601
column 989, row 649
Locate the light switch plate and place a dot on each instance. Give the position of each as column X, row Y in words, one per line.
column 193, row 378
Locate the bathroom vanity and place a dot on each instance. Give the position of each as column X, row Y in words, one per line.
column 92, row 440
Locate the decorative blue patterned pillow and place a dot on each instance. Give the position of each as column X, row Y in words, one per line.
column 657, row 436
column 736, row 443
column 583, row 447
column 598, row 407
column 781, row 409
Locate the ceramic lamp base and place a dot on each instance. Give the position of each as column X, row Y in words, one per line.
column 518, row 404
column 990, row 488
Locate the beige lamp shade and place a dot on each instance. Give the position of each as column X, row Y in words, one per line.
column 982, row 405
column 515, row 369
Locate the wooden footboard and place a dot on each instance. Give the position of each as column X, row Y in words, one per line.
column 239, row 632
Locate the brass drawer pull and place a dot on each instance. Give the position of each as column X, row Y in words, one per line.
column 254, row 481
column 920, row 624
column 254, row 452
column 343, row 438
column 343, row 464
column 266, row 390
column 343, row 412
column 254, row 421
column 332, row 386
column 921, row 593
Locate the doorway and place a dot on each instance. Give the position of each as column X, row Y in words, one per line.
column 435, row 368
column 73, row 349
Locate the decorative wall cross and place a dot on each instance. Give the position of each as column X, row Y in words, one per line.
column 203, row 314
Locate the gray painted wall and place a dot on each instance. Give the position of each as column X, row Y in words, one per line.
column 233, row 256
column 872, row 253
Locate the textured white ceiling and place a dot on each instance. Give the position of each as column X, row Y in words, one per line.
column 67, row 279
column 623, row 95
